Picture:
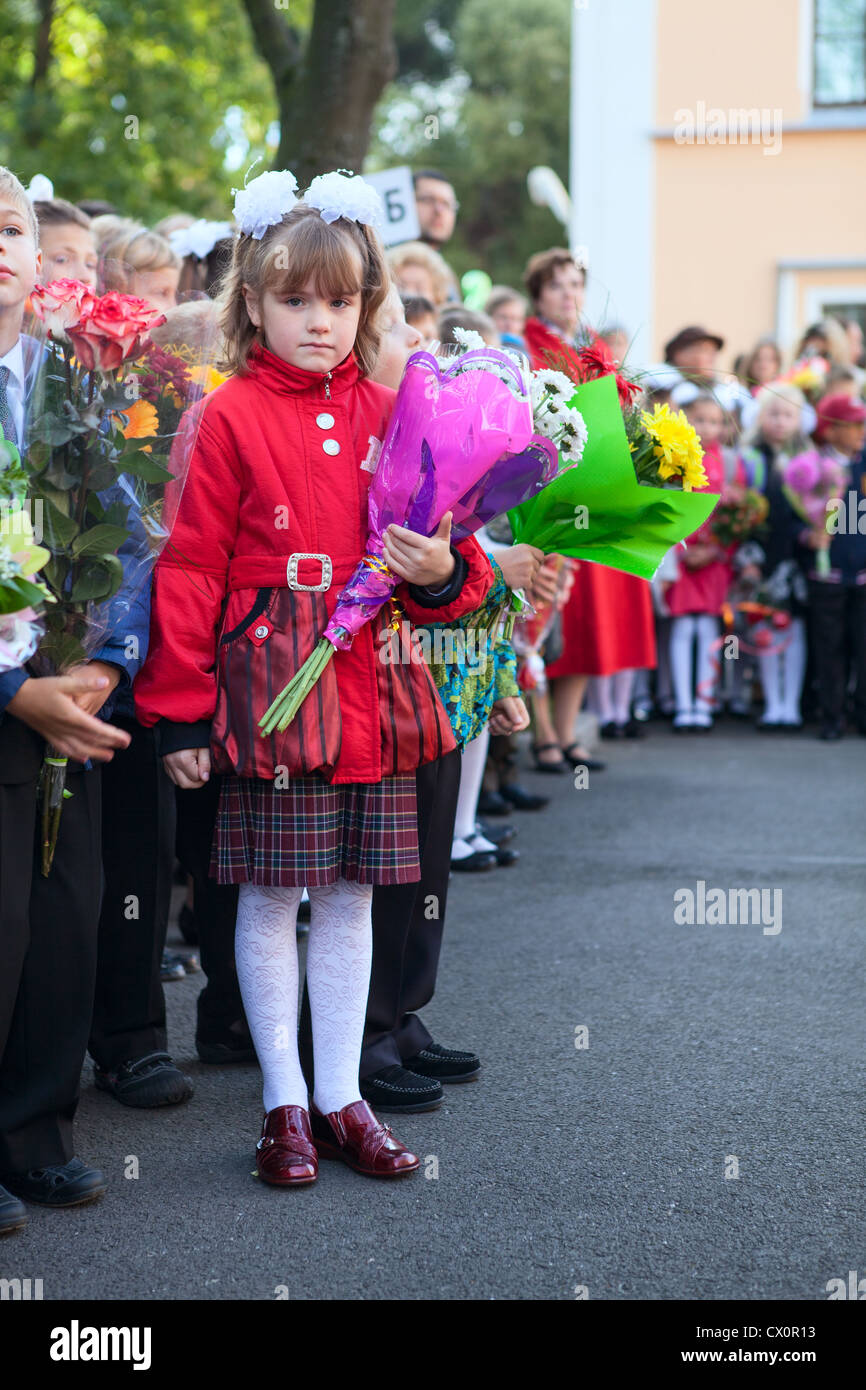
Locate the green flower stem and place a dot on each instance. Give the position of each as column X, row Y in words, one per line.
column 280, row 714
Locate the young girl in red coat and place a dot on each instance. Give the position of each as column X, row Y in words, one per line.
column 269, row 527
column 696, row 597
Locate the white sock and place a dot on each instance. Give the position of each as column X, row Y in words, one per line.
column 266, row 954
column 622, row 685
column 339, row 953
column 479, row 844
column 604, row 704
column 793, row 672
column 681, row 644
column 705, row 673
column 461, row 849
column 769, row 665
column 472, row 761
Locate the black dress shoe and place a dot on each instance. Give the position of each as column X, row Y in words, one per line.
column 12, row 1213
column 496, row 834
column 832, row 731
column 634, row 728
column 145, row 1082
column 504, row 857
column 395, row 1089
column 492, row 804
column 61, row 1185
column 517, row 798
column 476, row 863
column 444, row 1064
column 217, row 1045
column 610, row 730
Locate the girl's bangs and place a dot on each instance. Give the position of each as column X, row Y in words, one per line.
column 311, row 249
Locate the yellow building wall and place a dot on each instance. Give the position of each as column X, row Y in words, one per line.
column 742, row 53
column 726, row 214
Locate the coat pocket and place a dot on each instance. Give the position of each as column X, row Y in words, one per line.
column 267, row 636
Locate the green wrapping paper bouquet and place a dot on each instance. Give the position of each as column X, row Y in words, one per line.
column 630, row 498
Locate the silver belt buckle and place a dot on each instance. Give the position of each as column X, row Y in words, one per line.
column 292, row 572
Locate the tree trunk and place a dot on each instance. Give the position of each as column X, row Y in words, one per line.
column 327, row 97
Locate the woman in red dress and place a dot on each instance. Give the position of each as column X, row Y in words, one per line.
column 607, row 623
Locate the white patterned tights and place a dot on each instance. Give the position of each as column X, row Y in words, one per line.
column 338, row 979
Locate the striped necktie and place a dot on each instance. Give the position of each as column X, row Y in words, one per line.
column 7, row 420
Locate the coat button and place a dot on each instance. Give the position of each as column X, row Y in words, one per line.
column 331, row 446
column 324, row 421
column 261, row 631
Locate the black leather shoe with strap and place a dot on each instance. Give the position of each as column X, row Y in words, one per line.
column 12, row 1213
column 146, row 1081
column 60, row 1185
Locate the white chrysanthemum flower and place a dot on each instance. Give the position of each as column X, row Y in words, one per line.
column 573, row 437
column 468, row 339
column 345, row 195
column 265, row 201
column 548, row 382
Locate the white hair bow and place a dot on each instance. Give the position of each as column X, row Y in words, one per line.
column 199, row 238
column 40, row 189
column 338, row 194
column 264, row 201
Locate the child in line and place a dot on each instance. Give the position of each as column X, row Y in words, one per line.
column 420, row 314
column 48, row 925
column 270, row 525
column 778, row 432
column 67, row 242
column 140, row 262
column 695, row 598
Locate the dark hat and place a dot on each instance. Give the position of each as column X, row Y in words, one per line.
column 839, row 407
column 687, row 336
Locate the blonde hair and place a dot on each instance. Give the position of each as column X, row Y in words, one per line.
column 107, row 226
column 12, row 188
column 777, row 391
column 194, row 325
column 418, row 253
column 134, row 249
column 299, row 248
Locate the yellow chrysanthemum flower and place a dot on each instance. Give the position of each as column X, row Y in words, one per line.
column 208, row 378
column 677, row 448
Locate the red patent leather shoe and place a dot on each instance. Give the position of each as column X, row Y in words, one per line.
column 354, row 1135
column 285, row 1154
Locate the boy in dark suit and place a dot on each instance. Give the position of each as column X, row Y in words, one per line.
column 47, row 925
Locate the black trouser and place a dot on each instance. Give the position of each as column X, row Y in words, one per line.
column 837, row 628
column 48, row 933
column 138, row 826
column 216, row 910
column 408, row 919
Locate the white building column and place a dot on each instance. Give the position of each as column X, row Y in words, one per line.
column 613, row 60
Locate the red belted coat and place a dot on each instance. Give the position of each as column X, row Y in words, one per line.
column 278, row 470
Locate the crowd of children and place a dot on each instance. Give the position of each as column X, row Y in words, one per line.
column 400, row 775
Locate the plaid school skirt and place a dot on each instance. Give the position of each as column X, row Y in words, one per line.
column 311, row 833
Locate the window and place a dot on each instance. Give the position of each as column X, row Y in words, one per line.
column 840, row 53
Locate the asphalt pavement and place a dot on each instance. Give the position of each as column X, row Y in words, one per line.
column 667, row 1110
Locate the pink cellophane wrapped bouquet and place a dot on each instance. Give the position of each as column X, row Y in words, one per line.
column 461, row 438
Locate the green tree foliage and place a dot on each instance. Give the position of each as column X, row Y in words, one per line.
column 134, row 103
column 503, row 108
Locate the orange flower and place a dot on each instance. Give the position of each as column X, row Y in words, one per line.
column 142, row 421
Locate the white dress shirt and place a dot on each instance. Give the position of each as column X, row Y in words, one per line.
column 14, row 360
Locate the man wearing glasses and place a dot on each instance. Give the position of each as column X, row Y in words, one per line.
column 437, row 207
